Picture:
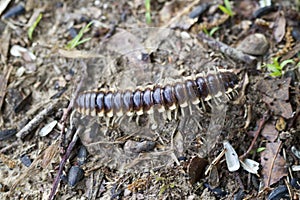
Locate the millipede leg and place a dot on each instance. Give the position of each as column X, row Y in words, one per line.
column 175, row 114
column 190, row 109
column 119, row 120
column 182, row 111
column 164, row 116
column 137, row 120
column 113, row 120
column 209, row 104
column 229, row 97
column 198, row 124
column 107, row 119
column 153, row 122
column 169, row 115
column 203, row 105
column 235, row 92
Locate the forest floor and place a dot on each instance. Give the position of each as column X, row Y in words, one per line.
column 52, row 51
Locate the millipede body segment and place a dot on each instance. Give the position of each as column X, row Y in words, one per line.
column 163, row 98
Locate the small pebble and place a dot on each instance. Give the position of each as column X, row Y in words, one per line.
column 82, row 155
column 8, row 133
column 264, row 11
column 255, row 44
column 198, row 10
column 14, row 11
column 217, row 191
column 75, row 174
column 295, row 182
column 280, row 192
column 239, row 195
column 137, row 147
column 185, row 35
column 73, row 32
column 26, row 160
column 295, row 151
column 296, row 33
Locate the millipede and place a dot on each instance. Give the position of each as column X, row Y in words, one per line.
column 192, row 90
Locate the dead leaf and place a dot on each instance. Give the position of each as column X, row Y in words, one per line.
column 273, row 164
column 269, row 132
column 275, row 95
column 49, row 154
column 278, row 89
column 279, row 30
column 196, row 169
column 279, row 107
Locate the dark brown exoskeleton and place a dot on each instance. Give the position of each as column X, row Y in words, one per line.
column 190, row 91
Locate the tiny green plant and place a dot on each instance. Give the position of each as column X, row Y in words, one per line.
column 227, row 8
column 260, row 149
column 148, row 11
column 276, row 68
column 33, row 26
column 78, row 39
column 212, row 31
column 165, row 185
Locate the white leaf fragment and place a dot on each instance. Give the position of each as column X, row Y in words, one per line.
column 19, row 51
column 295, row 168
column 47, row 128
column 295, row 152
column 250, row 166
column 232, row 159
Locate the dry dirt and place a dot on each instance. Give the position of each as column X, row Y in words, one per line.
column 148, row 157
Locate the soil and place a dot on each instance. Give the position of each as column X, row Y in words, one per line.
column 50, row 150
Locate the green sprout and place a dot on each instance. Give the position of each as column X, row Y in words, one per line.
column 212, row 31
column 148, row 11
column 227, row 8
column 33, row 26
column 165, row 185
column 260, row 149
column 78, row 39
column 276, row 68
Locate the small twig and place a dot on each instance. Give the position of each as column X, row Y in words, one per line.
column 62, row 163
column 256, row 134
column 3, row 86
column 15, row 143
column 71, row 104
column 215, row 161
column 35, row 122
column 224, row 48
column 62, row 133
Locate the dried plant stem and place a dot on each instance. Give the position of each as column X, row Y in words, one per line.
column 224, row 48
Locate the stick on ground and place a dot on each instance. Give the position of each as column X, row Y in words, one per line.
column 227, row 50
